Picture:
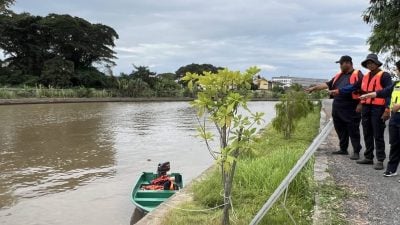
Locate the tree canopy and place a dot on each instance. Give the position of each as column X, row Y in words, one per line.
column 196, row 68
column 384, row 17
column 5, row 4
column 34, row 44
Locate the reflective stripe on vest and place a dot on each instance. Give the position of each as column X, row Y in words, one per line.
column 372, row 85
column 353, row 80
column 395, row 95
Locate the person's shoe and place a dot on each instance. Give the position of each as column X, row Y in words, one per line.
column 378, row 165
column 340, row 152
column 365, row 161
column 389, row 174
column 355, row 156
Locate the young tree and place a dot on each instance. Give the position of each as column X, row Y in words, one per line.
column 294, row 105
column 384, row 17
column 221, row 95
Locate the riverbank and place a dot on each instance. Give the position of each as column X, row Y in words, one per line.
column 258, row 175
column 20, row 101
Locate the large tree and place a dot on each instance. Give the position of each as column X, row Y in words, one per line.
column 29, row 41
column 78, row 40
column 5, row 4
column 384, row 17
column 196, row 68
column 23, row 42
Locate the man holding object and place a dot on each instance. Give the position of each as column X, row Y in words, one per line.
column 344, row 87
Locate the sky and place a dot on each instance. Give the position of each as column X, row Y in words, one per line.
column 282, row 37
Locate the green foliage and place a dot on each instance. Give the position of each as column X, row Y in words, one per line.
column 296, row 87
column 195, row 69
column 258, row 175
column 5, row 4
column 35, row 45
column 384, row 17
column 294, row 105
column 134, row 88
column 51, row 92
column 220, row 96
column 57, row 72
column 169, row 76
column 166, row 87
column 89, row 77
column 317, row 95
column 143, row 73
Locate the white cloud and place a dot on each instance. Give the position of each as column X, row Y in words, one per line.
column 267, row 67
column 301, row 38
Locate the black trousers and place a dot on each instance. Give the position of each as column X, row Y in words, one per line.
column 394, row 139
column 373, row 128
column 347, row 124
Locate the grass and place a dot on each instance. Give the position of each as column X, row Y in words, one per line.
column 258, row 174
column 50, row 92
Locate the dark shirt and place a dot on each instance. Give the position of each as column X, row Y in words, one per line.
column 345, row 88
column 387, row 91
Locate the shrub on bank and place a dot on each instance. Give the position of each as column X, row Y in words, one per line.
column 258, row 175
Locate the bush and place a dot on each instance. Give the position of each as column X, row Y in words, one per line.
column 258, row 175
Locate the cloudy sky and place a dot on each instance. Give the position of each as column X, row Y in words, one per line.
column 283, row 37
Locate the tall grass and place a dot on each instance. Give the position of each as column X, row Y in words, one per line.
column 81, row 92
column 51, row 92
column 257, row 177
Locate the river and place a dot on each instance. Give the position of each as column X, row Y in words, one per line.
column 69, row 164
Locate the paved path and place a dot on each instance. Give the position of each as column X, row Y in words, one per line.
column 375, row 199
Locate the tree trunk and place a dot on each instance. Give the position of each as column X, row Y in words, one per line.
column 227, row 206
column 228, row 187
column 225, row 180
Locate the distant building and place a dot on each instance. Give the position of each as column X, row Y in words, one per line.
column 261, row 83
column 288, row 81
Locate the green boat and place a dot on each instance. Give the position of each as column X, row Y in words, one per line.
column 147, row 200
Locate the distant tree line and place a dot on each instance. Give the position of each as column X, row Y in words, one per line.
column 62, row 51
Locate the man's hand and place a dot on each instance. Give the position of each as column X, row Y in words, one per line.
column 369, row 95
column 334, row 92
column 386, row 115
column 310, row 89
column 396, row 108
column 359, row 108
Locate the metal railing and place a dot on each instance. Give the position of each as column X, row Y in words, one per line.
column 283, row 187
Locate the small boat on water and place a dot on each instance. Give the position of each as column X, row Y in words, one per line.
column 152, row 189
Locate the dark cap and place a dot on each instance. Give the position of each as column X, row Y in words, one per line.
column 345, row 58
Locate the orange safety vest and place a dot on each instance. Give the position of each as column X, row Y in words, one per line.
column 158, row 184
column 371, row 85
column 353, row 80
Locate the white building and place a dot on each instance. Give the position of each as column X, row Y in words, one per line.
column 288, row 81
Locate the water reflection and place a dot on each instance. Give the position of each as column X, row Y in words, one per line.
column 51, row 149
column 76, row 163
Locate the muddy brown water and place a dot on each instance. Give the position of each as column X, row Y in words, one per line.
column 76, row 163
